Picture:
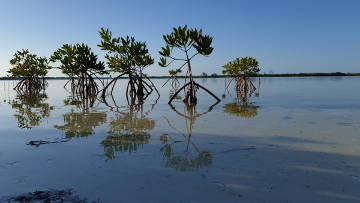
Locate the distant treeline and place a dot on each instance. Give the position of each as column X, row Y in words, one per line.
column 271, row 75
column 223, row 76
column 307, row 74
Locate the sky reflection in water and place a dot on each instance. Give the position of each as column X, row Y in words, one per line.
column 225, row 150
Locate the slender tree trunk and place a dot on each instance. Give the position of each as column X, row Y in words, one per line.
column 190, row 97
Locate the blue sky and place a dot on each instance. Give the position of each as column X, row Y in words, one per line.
column 285, row 36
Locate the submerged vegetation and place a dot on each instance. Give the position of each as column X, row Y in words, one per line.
column 31, row 69
column 67, row 195
column 190, row 43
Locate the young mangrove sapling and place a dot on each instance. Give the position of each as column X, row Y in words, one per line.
column 189, row 42
column 127, row 57
column 240, row 69
column 82, row 66
column 31, row 70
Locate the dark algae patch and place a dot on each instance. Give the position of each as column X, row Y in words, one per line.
column 48, row 196
column 37, row 143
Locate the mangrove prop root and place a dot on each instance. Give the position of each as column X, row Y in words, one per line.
column 174, row 82
column 31, row 85
column 208, row 91
column 85, row 85
column 108, row 85
column 190, row 96
column 139, row 87
column 177, row 92
column 244, row 88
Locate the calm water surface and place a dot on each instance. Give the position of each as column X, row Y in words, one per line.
column 296, row 140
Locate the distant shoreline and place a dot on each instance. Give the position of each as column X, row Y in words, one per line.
column 221, row 76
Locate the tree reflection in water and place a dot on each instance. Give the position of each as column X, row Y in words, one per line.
column 81, row 121
column 30, row 109
column 172, row 92
column 189, row 157
column 242, row 110
column 242, row 106
column 128, row 131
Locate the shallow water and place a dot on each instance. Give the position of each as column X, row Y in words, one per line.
column 296, row 140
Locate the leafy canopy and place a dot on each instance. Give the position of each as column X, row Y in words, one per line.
column 185, row 39
column 242, row 66
column 124, row 55
column 77, row 59
column 28, row 65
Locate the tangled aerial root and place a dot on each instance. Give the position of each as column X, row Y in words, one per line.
column 191, row 88
column 31, row 85
column 190, row 95
column 137, row 89
column 244, row 88
column 84, row 85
